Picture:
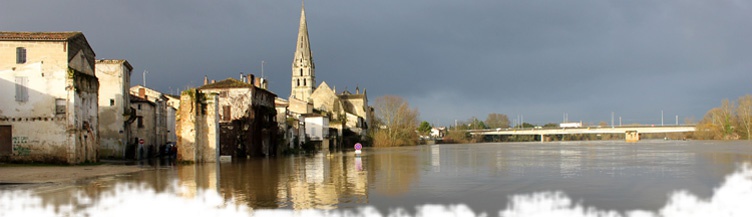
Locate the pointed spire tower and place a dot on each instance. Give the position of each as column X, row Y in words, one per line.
column 303, row 69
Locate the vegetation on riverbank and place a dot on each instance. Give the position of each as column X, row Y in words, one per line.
column 395, row 123
column 730, row 121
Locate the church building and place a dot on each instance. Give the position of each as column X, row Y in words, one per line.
column 346, row 111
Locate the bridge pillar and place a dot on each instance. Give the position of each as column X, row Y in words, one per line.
column 632, row 136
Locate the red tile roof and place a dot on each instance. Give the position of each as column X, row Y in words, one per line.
column 38, row 36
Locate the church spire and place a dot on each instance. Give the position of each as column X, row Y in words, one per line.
column 303, row 69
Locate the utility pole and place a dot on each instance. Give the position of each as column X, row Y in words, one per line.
column 661, row 118
column 612, row 119
column 620, row 121
column 262, row 68
column 144, row 76
column 677, row 120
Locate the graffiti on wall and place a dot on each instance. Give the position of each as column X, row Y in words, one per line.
column 19, row 146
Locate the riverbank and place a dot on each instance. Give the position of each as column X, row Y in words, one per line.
column 19, row 174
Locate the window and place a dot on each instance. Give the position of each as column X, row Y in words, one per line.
column 223, row 93
column 112, row 102
column 60, row 106
column 22, row 91
column 298, row 83
column 140, row 122
column 139, row 106
column 226, row 113
column 304, row 82
column 20, row 55
column 301, row 72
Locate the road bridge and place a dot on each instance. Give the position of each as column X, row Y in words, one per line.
column 584, row 130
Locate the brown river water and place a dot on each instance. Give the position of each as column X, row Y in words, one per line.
column 606, row 176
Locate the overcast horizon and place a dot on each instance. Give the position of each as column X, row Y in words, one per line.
column 452, row 60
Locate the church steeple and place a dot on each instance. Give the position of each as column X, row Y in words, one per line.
column 303, row 69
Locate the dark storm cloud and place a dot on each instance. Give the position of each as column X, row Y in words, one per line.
column 451, row 59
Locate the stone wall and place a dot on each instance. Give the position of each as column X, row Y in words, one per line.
column 197, row 127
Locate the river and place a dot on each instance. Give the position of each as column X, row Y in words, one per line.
column 606, row 176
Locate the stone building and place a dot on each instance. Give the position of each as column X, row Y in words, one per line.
column 49, row 109
column 115, row 112
column 247, row 116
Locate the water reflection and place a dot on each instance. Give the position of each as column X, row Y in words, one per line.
column 609, row 175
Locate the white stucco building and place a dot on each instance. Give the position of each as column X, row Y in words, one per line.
column 49, row 109
column 316, row 127
column 115, row 113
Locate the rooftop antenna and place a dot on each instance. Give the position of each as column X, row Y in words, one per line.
column 144, row 76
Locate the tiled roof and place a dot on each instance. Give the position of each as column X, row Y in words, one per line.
column 227, row 83
column 112, row 61
column 136, row 98
column 37, row 36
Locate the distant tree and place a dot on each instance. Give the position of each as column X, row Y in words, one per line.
column 476, row 124
column 398, row 122
column 603, row 124
column 527, row 125
column 744, row 114
column 424, row 128
column 551, row 125
column 718, row 123
column 495, row 120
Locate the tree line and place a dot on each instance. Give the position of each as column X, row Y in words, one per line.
column 730, row 121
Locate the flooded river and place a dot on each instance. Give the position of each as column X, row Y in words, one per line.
column 606, row 176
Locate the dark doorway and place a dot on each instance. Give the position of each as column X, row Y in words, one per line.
column 6, row 141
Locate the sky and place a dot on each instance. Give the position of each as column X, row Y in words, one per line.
column 451, row 60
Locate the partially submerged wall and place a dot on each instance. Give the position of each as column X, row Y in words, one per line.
column 197, row 127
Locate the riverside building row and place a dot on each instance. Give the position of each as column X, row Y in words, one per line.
column 62, row 105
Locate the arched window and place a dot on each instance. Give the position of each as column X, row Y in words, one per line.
column 301, row 72
column 304, row 82
column 298, row 83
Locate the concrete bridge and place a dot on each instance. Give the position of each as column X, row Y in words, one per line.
column 629, row 131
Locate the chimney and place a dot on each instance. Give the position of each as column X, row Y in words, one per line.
column 142, row 92
column 264, row 84
column 241, row 77
column 206, row 80
column 249, row 78
column 213, row 81
column 257, row 82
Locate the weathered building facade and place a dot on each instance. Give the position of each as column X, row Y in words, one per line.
column 115, row 112
column 247, row 116
column 49, row 109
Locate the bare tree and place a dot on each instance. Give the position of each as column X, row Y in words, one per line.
column 744, row 114
column 719, row 122
column 495, row 120
column 398, row 120
column 727, row 118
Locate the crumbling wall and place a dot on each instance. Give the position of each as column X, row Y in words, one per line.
column 197, row 127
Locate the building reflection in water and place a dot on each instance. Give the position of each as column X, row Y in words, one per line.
column 436, row 158
column 321, row 181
